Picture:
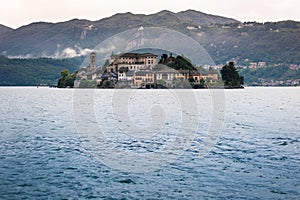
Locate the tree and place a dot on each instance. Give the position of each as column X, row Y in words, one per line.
column 161, row 82
column 181, row 62
column 87, row 84
column 64, row 73
column 66, row 80
column 163, row 58
column 106, row 63
column 202, row 83
column 192, row 80
column 231, row 77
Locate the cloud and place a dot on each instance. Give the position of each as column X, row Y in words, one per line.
column 71, row 52
column 68, row 53
column 83, row 51
column 106, row 50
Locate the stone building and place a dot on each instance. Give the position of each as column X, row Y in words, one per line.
column 133, row 62
column 93, row 61
column 88, row 73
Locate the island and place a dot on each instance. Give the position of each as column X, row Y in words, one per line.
column 148, row 71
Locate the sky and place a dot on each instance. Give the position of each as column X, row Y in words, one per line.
column 16, row 13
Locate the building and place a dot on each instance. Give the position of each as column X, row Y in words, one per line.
column 88, row 73
column 210, row 76
column 139, row 70
column 261, row 64
column 93, row 61
column 133, row 61
column 253, row 65
column 143, row 78
column 207, row 76
column 125, row 75
column 196, row 76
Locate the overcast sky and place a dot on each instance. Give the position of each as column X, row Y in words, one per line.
column 15, row 13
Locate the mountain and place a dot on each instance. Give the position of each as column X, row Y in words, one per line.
column 223, row 38
column 199, row 18
column 73, row 37
column 4, row 30
column 272, row 42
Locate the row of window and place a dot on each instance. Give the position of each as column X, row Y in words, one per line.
column 143, row 79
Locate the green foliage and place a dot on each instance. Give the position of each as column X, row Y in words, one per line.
column 191, row 80
column 31, row 72
column 273, row 42
column 106, row 63
column 66, row 80
column 106, row 84
column 64, row 73
column 279, row 73
column 231, row 77
column 87, row 84
column 181, row 62
column 202, row 82
column 180, row 83
column 161, row 82
column 178, row 63
column 163, row 58
column 197, row 85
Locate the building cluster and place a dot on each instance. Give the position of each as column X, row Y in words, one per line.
column 257, row 65
column 251, row 65
column 91, row 72
column 138, row 70
column 264, row 82
column 294, row 67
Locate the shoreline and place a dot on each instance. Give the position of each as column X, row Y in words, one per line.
column 31, row 86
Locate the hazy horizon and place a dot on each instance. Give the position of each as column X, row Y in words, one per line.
column 17, row 13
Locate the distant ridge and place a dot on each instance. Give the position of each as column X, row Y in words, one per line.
column 199, row 18
column 224, row 38
column 4, row 30
column 50, row 39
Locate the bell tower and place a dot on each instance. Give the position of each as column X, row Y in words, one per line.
column 93, row 61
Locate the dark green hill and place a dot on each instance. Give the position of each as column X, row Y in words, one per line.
column 28, row 72
column 279, row 75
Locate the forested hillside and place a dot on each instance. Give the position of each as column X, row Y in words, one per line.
column 25, row 72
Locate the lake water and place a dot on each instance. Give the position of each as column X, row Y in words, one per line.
column 84, row 144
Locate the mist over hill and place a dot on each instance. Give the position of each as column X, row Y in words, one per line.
column 224, row 38
column 76, row 37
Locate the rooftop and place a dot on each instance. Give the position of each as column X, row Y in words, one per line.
column 136, row 55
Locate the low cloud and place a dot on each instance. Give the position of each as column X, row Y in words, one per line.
column 71, row 52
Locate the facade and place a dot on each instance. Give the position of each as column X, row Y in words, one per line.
column 169, row 75
column 142, row 78
column 125, row 75
column 207, row 76
column 211, row 77
column 134, row 61
column 196, row 76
